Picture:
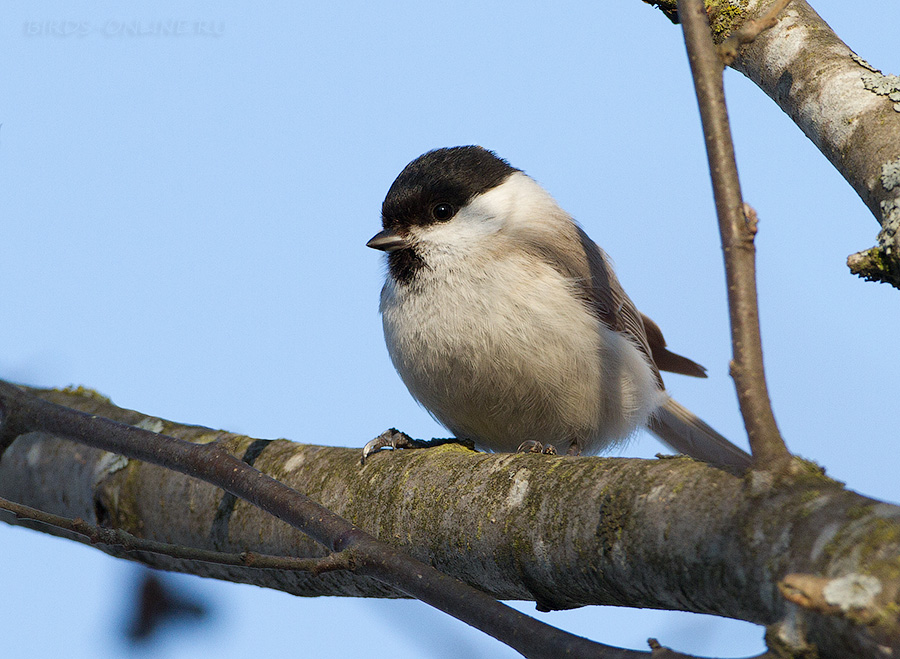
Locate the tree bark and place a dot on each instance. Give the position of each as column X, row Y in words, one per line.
column 846, row 106
column 563, row 531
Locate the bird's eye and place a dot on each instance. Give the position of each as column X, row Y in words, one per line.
column 442, row 212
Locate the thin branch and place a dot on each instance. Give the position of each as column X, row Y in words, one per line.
column 737, row 228
column 21, row 412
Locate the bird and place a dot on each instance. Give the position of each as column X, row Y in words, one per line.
column 509, row 325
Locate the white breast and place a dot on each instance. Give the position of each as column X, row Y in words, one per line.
column 497, row 346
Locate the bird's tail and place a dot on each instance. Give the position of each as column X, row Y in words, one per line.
column 687, row 433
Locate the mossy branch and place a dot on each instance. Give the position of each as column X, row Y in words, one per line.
column 562, row 531
column 846, row 106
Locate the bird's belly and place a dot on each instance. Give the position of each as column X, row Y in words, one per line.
column 502, row 368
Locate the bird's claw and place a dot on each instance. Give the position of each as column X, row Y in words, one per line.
column 390, row 438
column 395, row 439
column 532, row 446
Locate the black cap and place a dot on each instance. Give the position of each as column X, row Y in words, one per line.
column 444, row 176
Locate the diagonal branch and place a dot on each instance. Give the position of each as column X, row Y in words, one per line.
column 737, row 227
column 847, row 107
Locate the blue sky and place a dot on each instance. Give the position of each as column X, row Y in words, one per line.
column 184, row 223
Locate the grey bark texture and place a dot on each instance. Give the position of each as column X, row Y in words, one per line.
column 845, row 105
column 815, row 562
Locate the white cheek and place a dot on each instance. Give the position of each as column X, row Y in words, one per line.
column 469, row 228
column 518, row 199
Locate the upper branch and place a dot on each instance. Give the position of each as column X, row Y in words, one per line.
column 847, row 107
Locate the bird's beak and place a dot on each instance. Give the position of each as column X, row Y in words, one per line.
column 388, row 241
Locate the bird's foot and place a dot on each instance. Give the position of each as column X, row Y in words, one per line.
column 532, row 446
column 395, row 439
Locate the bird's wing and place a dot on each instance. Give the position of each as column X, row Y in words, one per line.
column 589, row 268
column 579, row 259
column 609, row 300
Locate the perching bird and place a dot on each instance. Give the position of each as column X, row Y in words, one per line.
column 508, row 324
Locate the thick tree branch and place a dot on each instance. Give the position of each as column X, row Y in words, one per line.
column 21, row 413
column 672, row 534
column 737, row 227
column 847, row 107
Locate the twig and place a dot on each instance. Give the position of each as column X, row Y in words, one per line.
column 737, row 230
column 728, row 49
column 21, row 412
